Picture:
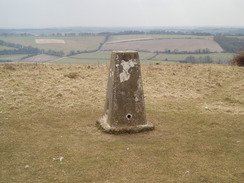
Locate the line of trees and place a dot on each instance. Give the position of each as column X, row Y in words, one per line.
column 230, row 44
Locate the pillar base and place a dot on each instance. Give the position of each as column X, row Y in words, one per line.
column 104, row 126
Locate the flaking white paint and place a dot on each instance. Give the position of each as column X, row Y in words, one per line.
column 125, row 75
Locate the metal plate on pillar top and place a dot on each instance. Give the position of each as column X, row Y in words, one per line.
column 124, row 107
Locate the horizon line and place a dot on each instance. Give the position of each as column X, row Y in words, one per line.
column 117, row 27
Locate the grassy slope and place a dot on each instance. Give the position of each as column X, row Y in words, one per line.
column 198, row 111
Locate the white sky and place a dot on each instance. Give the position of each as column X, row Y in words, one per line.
column 117, row 13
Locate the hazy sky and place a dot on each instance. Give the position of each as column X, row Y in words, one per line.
column 61, row 13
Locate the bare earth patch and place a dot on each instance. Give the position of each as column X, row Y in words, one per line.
column 50, row 41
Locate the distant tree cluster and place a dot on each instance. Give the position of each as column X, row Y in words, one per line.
column 230, row 44
column 194, row 60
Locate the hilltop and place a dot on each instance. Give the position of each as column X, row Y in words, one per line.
column 48, row 132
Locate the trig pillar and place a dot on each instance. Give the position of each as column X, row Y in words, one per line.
column 124, row 107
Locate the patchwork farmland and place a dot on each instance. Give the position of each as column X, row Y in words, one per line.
column 97, row 49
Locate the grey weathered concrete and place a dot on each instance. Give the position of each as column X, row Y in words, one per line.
column 124, row 107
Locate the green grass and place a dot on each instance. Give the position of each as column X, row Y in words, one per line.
column 71, row 43
column 14, row 58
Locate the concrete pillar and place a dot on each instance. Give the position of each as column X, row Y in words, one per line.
column 124, row 107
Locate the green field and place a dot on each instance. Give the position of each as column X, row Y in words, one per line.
column 106, row 55
column 86, row 58
column 71, row 43
column 68, row 60
column 14, row 58
column 102, row 57
column 223, row 57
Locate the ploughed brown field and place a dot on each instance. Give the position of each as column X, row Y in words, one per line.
column 161, row 45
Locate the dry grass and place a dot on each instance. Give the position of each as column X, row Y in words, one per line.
column 48, row 132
